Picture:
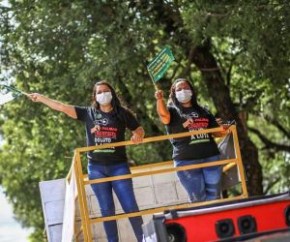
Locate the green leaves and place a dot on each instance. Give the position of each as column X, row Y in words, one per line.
column 62, row 48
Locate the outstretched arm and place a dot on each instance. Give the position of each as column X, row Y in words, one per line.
column 161, row 108
column 53, row 104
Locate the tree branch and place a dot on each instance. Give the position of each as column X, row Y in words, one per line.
column 278, row 125
column 269, row 144
column 271, row 185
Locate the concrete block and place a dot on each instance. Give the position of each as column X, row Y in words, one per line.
column 142, row 181
column 145, row 197
column 181, row 193
column 165, row 193
column 163, row 178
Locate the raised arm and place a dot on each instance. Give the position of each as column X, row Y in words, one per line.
column 53, row 104
column 161, row 107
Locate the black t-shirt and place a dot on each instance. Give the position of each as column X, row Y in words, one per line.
column 103, row 128
column 195, row 146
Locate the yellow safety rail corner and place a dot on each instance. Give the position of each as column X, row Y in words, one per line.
column 81, row 179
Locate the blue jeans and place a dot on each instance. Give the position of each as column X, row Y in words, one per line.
column 123, row 190
column 200, row 184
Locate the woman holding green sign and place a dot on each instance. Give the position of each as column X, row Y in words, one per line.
column 182, row 114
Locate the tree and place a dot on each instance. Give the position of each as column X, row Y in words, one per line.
column 237, row 56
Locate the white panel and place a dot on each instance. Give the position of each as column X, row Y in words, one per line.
column 54, row 211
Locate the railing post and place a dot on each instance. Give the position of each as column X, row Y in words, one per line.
column 241, row 170
column 82, row 199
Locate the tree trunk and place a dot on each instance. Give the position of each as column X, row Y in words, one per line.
column 220, row 94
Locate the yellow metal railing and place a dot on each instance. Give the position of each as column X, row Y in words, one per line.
column 146, row 170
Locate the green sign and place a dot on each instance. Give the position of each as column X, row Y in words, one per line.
column 160, row 64
column 8, row 93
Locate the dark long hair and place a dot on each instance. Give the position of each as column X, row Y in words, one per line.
column 116, row 101
column 174, row 102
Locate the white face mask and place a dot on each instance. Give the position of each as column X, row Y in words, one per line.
column 104, row 98
column 183, row 96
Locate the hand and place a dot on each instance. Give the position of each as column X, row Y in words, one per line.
column 95, row 129
column 159, row 95
column 138, row 135
column 35, row 97
column 219, row 121
column 226, row 129
column 225, row 124
column 187, row 123
column 137, row 138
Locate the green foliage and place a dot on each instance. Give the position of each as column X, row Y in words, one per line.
column 60, row 48
column 275, row 164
